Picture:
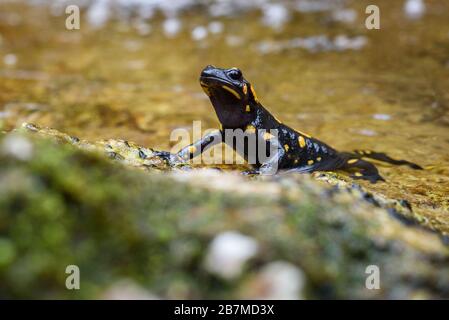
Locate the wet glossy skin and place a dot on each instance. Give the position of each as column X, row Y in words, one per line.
column 237, row 107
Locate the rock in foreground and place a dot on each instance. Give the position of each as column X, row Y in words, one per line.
column 61, row 206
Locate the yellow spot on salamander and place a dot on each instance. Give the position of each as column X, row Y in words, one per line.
column 254, row 94
column 245, row 89
column 318, row 159
column 248, row 109
column 358, row 174
column 235, row 93
column 310, row 162
column 296, row 161
column 350, row 161
column 250, row 129
column 192, row 149
column 267, row 136
column 367, row 152
column 302, row 142
column 286, row 147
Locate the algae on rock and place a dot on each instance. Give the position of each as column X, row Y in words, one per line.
column 63, row 206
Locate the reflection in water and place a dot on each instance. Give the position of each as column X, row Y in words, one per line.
column 132, row 72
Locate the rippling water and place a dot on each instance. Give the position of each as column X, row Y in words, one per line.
column 313, row 64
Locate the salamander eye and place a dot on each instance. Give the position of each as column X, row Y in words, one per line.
column 235, row 74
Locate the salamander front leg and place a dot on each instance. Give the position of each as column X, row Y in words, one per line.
column 368, row 171
column 198, row 147
column 269, row 167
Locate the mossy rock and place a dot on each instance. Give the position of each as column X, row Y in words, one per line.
column 61, row 206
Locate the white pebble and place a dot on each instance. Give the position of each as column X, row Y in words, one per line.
column 216, row 27
column 10, row 59
column 99, row 13
column 199, row 33
column 234, row 41
column 171, row 27
column 414, row 9
column 282, row 281
column 127, row 289
column 17, row 146
column 221, row 8
column 343, row 42
column 228, row 252
column 382, row 116
column 345, row 15
column 275, row 15
column 367, row 132
column 315, row 6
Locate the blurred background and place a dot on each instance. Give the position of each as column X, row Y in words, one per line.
column 131, row 72
column 132, row 69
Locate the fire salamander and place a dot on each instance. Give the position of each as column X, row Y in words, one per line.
column 237, row 107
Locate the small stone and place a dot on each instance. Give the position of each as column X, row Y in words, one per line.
column 343, row 42
column 10, row 59
column 275, row 15
column 367, row 132
column 74, row 139
column 279, row 280
column 344, row 15
column 171, row 27
column 307, row 6
column 228, row 252
column 99, row 13
column 127, row 290
column 382, row 116
column 199, row 33
column 414, row 9
column 216, row 27
column 17, row 146
column 234, row 41
column 142, row 154
column 30, row 126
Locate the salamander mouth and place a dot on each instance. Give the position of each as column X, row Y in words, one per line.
column 210, row 81
column 219, row 87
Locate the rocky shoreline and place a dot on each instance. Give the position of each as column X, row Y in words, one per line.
column 166, row 233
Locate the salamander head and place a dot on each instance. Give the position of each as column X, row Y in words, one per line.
column 231, row 95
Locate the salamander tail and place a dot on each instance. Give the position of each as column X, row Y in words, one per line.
column 385, row 158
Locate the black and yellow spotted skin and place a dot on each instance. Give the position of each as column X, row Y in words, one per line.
column 237, row 107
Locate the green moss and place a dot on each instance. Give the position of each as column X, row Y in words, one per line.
column 64, row 206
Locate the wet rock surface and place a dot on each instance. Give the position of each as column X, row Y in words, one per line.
column 124, row 151
column 163, row 230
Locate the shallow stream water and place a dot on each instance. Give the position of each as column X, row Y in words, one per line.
column 318, row 69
